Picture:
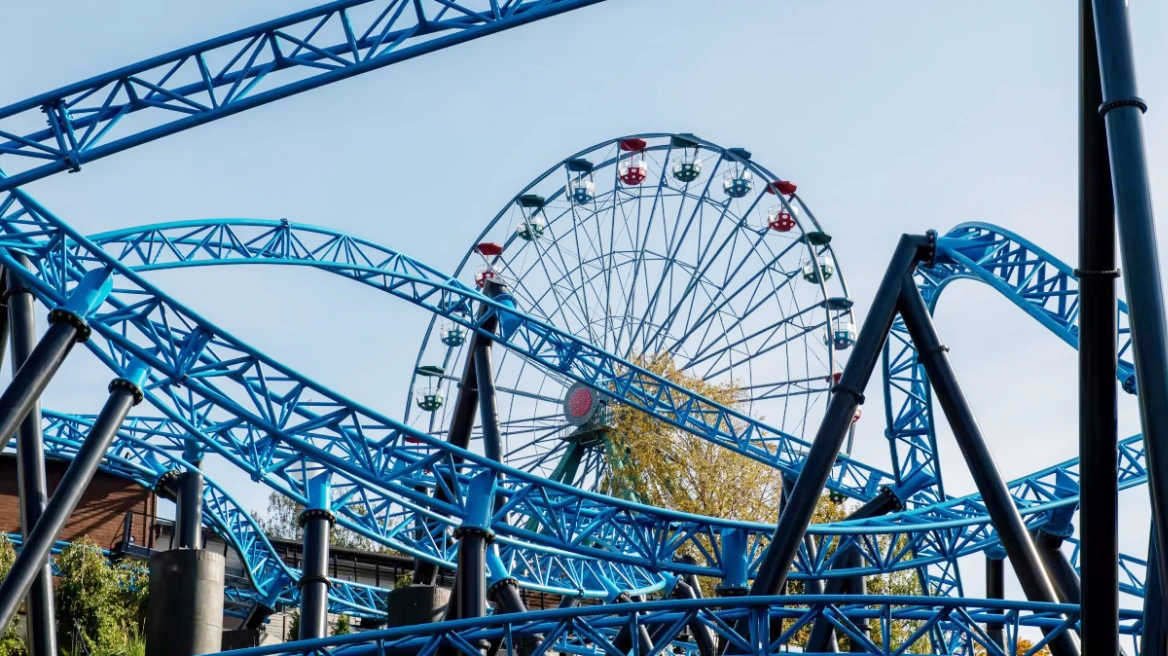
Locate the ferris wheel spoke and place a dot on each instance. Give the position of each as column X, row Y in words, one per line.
column 757, row 280
column 640, row 242
column 673, row 247
column 735, row 232
column 803, row 331
column 788, row 318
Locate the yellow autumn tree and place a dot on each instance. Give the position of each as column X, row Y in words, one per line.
column 657, row 463
column 654, row 462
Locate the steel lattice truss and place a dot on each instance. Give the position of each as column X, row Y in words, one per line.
column 942, row 626
column 646, row 538
column 198, row 84
column 219, row 394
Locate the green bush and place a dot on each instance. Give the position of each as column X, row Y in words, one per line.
column 11, row 644
column 292, row 632
column 343, row 626
column 105, row 602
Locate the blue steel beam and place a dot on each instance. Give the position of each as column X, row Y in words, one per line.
column 956, row 622
column 1039, row 493
column 144, row 450
column 137, row 104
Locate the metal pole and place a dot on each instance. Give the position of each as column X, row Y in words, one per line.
column 1153, row 638
column 30, row 562
column 996, row 589
column 1122, row 112
column 858, row 585
column 1000, row 505
column 466, row 404
column 488, row 403
column 505, row 594
column 33, row 367
column 30, row 465
column 1062, row 576
column 4, row 315
column 846, row 397
column 316, row 521
column 822, row 631
column 188, row 516
column 1098, row 324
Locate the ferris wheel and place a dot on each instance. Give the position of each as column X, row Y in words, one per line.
column 648, row 246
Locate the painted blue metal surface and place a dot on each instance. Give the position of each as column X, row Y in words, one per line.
column 920, row 527
column 226, row 75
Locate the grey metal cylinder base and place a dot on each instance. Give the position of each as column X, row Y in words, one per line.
column 416, row 604
column 185, row 615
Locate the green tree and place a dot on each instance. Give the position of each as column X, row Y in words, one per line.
column 283, row 521
column 292, row 628
column 656, row 463
column 106, row 603
column 11, row 644
column 343, row 626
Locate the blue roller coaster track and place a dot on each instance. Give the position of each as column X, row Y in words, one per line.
column 410, row 489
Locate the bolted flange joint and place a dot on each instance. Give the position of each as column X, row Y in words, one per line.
column 502, row 583
column 474, row 531
column 73, row 319
column 127, row 386
column 317, row 513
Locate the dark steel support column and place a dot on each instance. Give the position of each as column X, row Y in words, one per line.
column 1000, row 505
column 1098, row 438
column 996, row 589
column 822, row 631
column 841, row 409
column 34, row 364
column 466, row 405
column 1153, row 638
column 488, row 403
column 623, row 640
column 505, row 594
column 1062, row 576
column 125, row 393
column 188, row 516
column 858, row 585
column 30, row 465
column 316, row 521
column 1122, row 112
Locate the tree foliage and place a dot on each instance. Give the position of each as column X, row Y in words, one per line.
column 282, row 521
column 11, row 644
column 106, row 603
column 1024, row 647
column 654, row 462
column 343, row 626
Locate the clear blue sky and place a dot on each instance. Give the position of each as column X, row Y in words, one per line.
column 891, row 116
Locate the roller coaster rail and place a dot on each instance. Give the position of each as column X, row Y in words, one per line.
column 407, row 489
column 217, row 240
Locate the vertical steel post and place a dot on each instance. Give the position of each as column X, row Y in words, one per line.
column 30, row 464
column 996, row 589
column 841, row 409
column 1153, row 638
column 473, row 536
column 466, row 405
column 822, row 630
column 34, row 555
column 1000, row 505
column 316, row 521
column 188, row 516
column 33, row 367
column 1122, row 112
column 1098, row 324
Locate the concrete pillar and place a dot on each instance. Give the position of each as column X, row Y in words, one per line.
column 185, row 614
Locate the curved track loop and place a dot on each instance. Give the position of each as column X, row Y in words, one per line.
column 1046, row 289
column 938, row 533
column 955, row 621
column 146, row 449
